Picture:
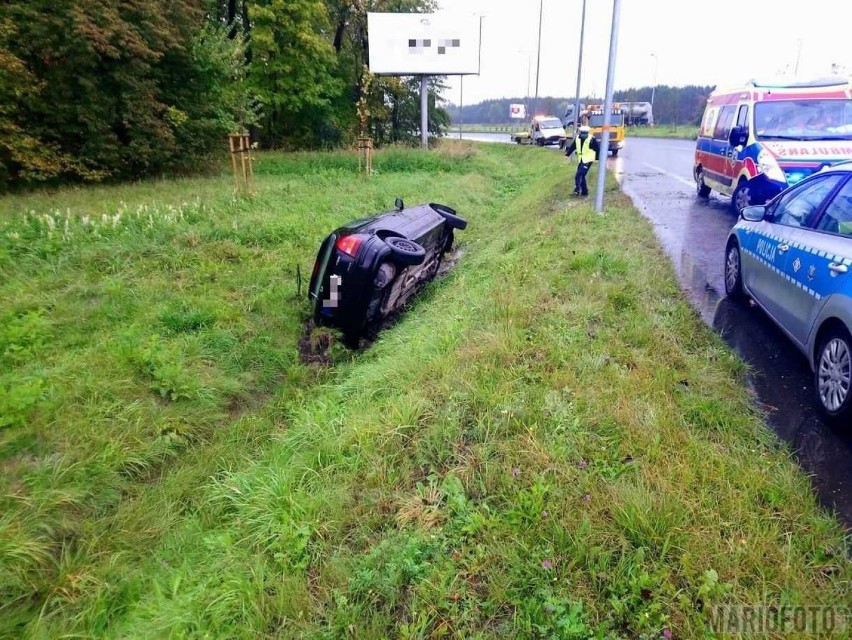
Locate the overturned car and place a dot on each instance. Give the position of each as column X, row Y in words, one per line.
column 369, row 269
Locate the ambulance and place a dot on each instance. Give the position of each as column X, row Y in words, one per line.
column 756, row 140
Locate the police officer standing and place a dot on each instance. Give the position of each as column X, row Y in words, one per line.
column 587, row 149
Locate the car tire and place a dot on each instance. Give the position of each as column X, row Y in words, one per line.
column 614, row 153
column 701, row 189
column 734, row 272
column 454, row 221
column 833, row 376
column 742, row 197
column 449, row 242
column 405, row 252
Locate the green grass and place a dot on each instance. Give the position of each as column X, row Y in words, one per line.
column 549, row 444
column 682, row 132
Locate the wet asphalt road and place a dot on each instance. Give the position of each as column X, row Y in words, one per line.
column 657, row 175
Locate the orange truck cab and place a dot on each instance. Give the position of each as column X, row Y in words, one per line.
column 593, row 116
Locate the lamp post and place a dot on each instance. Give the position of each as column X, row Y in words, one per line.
column 654, row 88
column 529, row 78
column 579, row 71
column 538, row 61
column 610, row 80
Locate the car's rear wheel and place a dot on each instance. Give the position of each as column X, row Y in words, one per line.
column 405, row 251
column 613, row 152
column 701, row 189
column 833, row 376
column 734, row 272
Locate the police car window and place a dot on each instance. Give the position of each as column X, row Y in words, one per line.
column 723, row 127
column 796, row 207
column 838, row 215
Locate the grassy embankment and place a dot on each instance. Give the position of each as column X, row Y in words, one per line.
column 684, row 132
column 550, row 443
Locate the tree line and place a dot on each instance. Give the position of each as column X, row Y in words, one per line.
column 117, row 89
column 672, row 105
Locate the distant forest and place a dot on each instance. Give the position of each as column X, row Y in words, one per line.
column 672, row 105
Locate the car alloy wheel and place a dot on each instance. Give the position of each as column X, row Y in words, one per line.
column 405, row 251
column 742, row 197
column 733, row 272
column 834, row 375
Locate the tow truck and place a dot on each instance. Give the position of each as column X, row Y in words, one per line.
column 543, row 130
column 595, row 119
column 593, row 116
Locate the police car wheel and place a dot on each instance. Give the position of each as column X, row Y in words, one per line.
column 742, row 197
column 733, row 272
column 833, row 377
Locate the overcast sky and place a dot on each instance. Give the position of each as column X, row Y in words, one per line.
column 731, row 42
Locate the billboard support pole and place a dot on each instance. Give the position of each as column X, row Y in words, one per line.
column 610, row 80
column 424, row 112
column 461, row 105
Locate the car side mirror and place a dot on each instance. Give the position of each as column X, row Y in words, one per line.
column 754, row 213
column 399, row 204
column 738, row 137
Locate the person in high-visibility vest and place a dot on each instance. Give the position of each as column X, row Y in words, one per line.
column 587, row 149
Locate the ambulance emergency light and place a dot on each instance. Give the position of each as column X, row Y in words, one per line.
column 424, row 44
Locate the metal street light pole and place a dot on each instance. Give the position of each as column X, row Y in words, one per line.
column 579, row 70
column 610, row 81
column 538, row 61
column 529, row 78
column 654, row 88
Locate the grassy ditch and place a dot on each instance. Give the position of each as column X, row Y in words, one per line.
column 549, row 444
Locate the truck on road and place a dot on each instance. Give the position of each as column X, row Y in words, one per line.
column 593, row 117
column 543, row 130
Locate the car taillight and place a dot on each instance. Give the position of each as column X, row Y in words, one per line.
column 350, row 244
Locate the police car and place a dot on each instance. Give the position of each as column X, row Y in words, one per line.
column 793, row 257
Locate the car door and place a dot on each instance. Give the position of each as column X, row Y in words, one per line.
column 782, row 287
column 820, row 260
column 732, row 154
column 716, row 171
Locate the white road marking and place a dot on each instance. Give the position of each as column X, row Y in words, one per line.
column 688, row 183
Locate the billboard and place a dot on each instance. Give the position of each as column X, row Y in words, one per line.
column 430, row 44
column 518, row 111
